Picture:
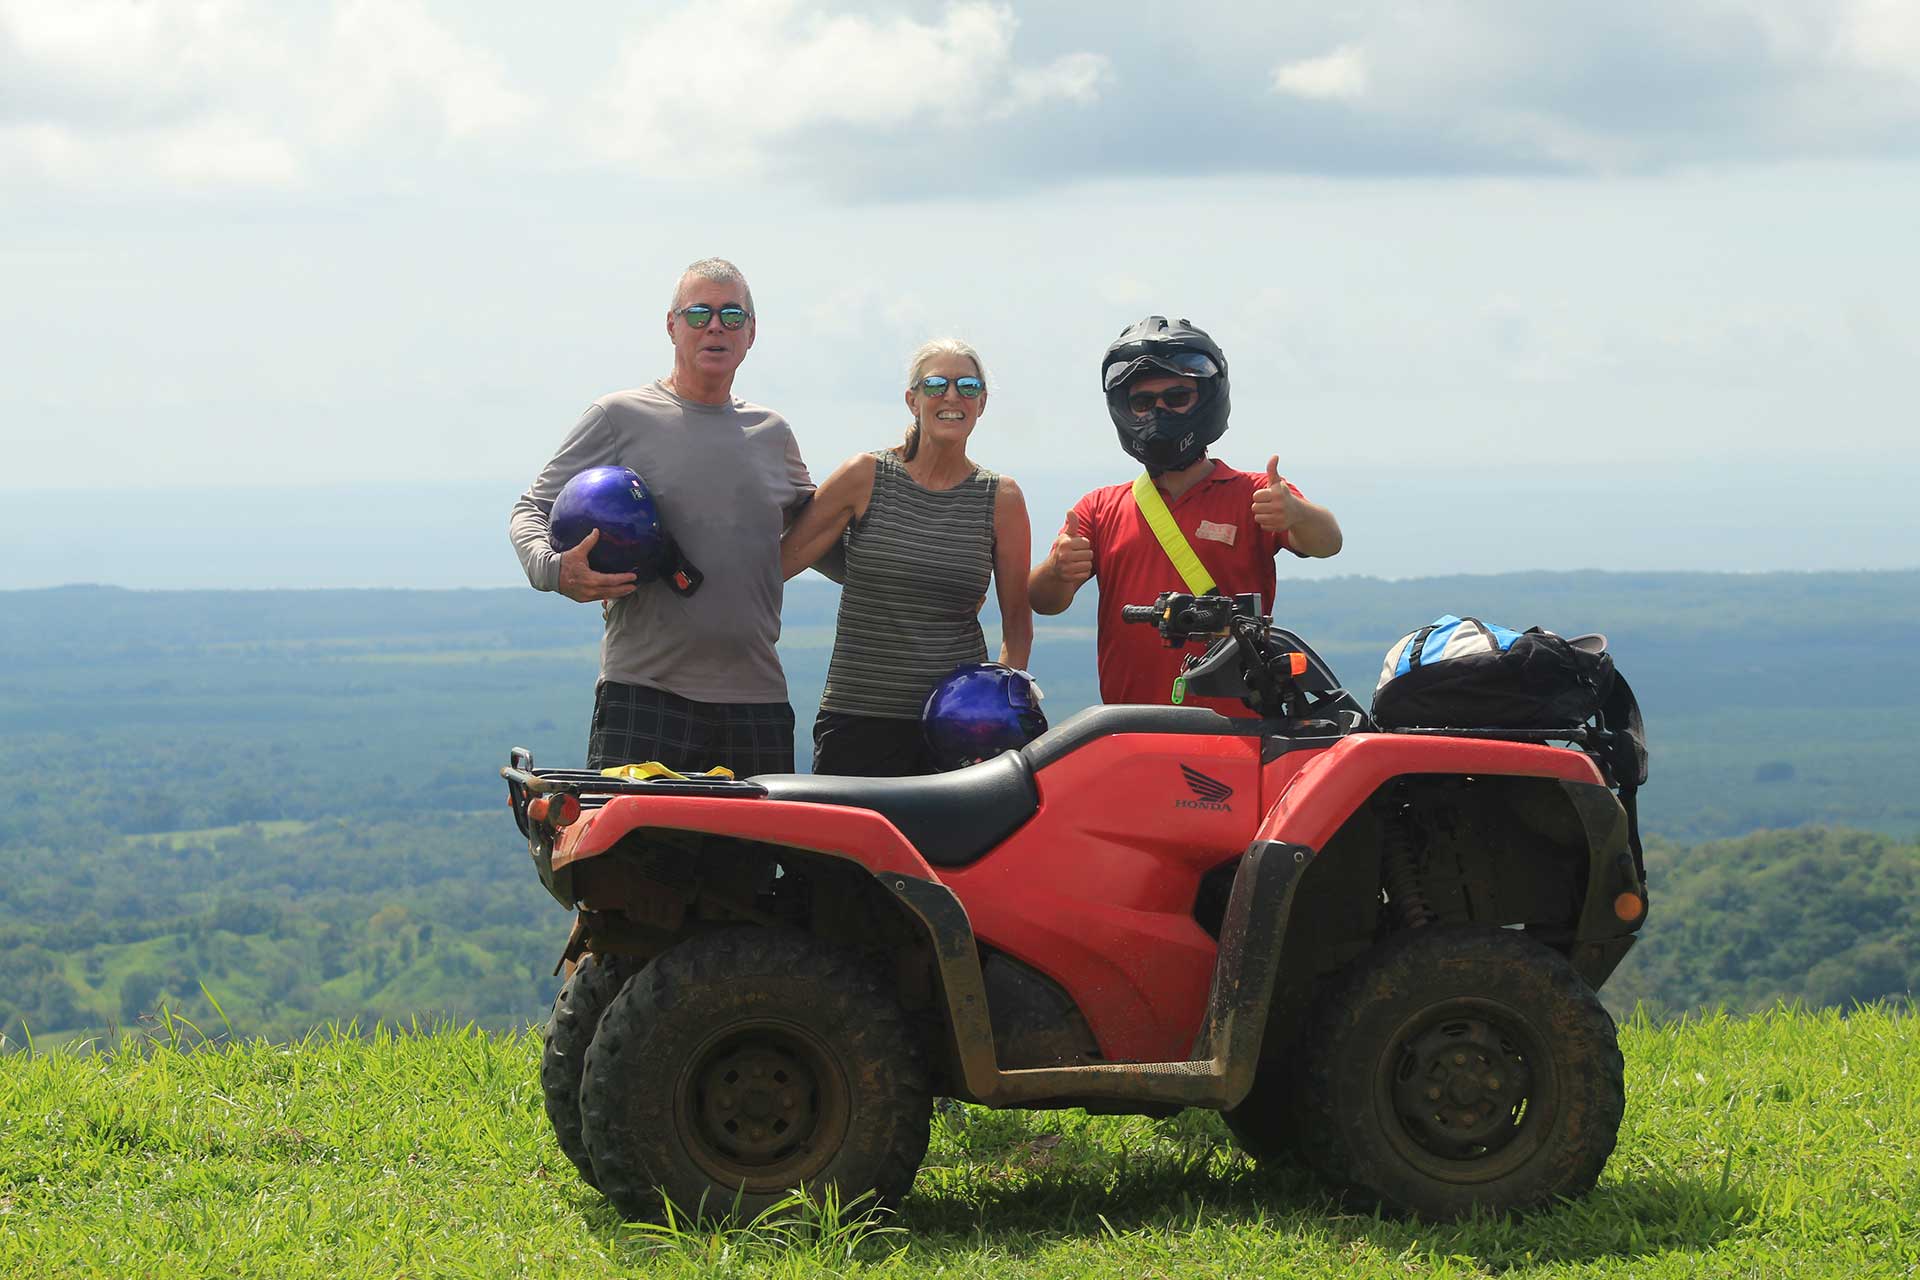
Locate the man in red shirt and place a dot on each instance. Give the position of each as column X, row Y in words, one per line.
column 1166, row 385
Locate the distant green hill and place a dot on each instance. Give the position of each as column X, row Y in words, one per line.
column 286, row 927
column 1772, row 700
column 292, row 926
column 292, row 798
column 1820, row 916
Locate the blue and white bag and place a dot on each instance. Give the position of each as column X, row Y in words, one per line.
column 1462, row 673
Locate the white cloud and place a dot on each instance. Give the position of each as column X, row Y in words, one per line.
column 1631, row 85
column 723, row 86
column 205, row 153
column 1883, row 35
column 217, row 151
column 1076, row 77
column 1341, row 74
column 233, row 93
column 848, row 96
column 385, row 52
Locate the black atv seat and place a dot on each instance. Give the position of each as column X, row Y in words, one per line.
column 1103, row 722
column 951, row 818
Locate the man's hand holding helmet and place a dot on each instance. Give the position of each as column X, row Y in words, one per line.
column 581, row 581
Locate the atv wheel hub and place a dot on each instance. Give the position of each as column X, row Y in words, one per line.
column 762, row 1105
column 1460, row 1088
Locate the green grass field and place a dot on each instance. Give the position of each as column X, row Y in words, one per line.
column 1778, row 1145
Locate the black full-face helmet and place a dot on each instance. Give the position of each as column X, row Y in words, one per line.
column 1164, row 440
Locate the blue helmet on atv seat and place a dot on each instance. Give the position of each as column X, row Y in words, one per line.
column 979, row 711
column 633, row 538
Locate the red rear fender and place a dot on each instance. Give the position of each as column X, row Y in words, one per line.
column 859, row 835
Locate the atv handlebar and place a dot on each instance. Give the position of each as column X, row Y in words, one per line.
column 1271, row 671
column 1180, row 617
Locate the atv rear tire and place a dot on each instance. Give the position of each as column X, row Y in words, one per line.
column 583, row 998
column 745, row 1063
column 1459, row 1069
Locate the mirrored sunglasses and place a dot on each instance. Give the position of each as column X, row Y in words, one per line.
column 699, row 314
column 933, row 387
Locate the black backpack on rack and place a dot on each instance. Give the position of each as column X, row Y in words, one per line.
column 1462, row 673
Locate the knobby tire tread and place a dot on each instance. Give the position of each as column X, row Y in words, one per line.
column 577, row 1010
column 662, row 1015
column 1333, row 1136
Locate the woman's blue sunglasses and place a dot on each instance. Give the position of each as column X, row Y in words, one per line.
column 933, row 386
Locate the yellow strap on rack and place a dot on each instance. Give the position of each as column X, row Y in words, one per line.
column 654, row 769
column 1172, row 541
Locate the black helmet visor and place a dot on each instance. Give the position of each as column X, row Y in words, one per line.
column 1191, row 364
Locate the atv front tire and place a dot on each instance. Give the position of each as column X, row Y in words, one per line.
column 583, row 998
column 1266, row 1122
column 1456, row 1069
column 745, row 1063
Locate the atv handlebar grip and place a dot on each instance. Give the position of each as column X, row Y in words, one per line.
column 1139, row 613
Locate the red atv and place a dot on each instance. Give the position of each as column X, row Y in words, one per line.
column 1375, row 951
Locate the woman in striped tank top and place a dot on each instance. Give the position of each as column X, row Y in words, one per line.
column 926, row 530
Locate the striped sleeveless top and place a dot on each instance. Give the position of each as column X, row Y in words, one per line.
column 918, row 566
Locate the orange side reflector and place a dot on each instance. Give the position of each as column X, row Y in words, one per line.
column 537, row 808
column 1629, row 907
column 1297, row 664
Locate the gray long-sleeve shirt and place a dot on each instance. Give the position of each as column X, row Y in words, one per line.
column 725, row 479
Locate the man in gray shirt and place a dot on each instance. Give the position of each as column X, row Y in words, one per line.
column 691, row 681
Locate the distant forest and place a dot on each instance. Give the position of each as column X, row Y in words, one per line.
column 289, row 799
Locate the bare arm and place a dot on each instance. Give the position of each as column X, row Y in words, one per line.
column 843, row 498
column 1315, row 532
column 1054, row 581
column 1307, row 527
column 1012, row 543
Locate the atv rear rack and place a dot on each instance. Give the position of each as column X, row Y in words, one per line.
column 593, row 789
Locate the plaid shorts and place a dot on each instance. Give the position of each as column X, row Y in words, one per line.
column 633, row 723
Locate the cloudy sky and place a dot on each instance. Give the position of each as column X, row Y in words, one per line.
column 331, row 247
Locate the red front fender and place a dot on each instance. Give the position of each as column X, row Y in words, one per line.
column 1335, row 782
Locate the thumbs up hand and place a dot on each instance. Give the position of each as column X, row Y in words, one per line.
column 1071, row 559
column 1275, row 506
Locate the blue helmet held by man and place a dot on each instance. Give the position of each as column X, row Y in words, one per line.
column 633, row 537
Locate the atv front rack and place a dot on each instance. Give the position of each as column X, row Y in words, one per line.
column 1582, row 734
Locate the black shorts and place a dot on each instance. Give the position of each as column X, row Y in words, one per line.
column 633, row 724
column 869, row 746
